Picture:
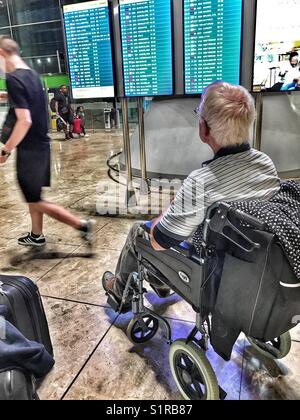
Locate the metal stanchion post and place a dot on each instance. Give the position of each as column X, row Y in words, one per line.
column 144, row 189
column 259, row 121
column 130, row 194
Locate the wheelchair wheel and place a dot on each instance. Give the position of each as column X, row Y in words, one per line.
column 276, row 349
column 142, row 330
column 192, row 372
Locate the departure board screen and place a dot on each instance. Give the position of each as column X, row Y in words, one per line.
column 212, row 42
column 88, row 39
column 146, row 27
column 277, row 46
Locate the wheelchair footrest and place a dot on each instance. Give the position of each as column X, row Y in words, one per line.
column 113, row 303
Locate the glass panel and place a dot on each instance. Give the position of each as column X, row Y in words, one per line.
column 39, row 40
column 5, row 31
column 3, row 14
column 30, row 11
column 43, row 65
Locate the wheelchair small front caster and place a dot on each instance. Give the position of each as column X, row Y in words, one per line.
column 276, row 349
column 142, row 329
column 192, row 372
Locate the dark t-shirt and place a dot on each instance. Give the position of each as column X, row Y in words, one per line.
column 64, row 102
column 25, row 91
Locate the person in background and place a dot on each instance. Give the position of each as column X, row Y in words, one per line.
column 29, row 135
column 63, row 108
column 80, row 112
column 290, row 71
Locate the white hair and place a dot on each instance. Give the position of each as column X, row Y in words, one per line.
column 229, row 112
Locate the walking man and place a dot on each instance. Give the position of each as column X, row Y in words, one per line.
column 28, row 118
column 63, row 108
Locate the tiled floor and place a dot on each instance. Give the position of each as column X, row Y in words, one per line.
column 94, row 358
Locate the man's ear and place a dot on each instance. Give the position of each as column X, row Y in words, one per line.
column 204, row 131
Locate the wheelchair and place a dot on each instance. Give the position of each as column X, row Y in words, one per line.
column 186, row 274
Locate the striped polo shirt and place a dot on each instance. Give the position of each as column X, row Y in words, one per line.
column 235, row 174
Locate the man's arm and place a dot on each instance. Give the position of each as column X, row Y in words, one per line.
column 23, row 124
column 155, row 245
column 182, row 218
column 19, row 102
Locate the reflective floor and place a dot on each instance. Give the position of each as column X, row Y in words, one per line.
column 94, row 358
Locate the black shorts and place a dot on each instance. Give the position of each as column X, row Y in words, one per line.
column 68, row 118
column 33, row 172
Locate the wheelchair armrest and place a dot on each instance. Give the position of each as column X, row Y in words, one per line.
column 221, row 224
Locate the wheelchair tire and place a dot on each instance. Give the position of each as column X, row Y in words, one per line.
column 139, row 333
column 192, row 372
column 282, row 345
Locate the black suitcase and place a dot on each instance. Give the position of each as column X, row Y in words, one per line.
column 17, row 386
column 25, row 309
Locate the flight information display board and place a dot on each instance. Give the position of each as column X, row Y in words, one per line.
column 88, row 39
column 212, row 42
column 146, row 29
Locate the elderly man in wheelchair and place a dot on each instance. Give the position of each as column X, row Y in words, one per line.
column 213, row 254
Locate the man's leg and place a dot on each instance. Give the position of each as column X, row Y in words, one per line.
column 128, row 264
column 37, row 220
column 128, row 260
column 70, row 121
column 58, row 213
column 37, row 210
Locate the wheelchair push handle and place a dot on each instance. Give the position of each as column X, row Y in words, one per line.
column 220, row 223
column 244, row 217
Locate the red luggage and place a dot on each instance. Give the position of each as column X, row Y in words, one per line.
column 77, row 126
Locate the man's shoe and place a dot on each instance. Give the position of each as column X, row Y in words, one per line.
column 29, row 240
column 88, row 234
column 108, row 281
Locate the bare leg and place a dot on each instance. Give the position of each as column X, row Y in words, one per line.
column 58, row 213
column 36, row 219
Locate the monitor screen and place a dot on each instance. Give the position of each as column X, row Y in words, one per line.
column 277, row 46
column 88, row 39
column 212, row 42
column 146, row 29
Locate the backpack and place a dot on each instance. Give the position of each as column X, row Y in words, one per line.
column 53, row 105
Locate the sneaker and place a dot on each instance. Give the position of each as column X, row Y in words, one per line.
column 88, row 235
column 29, row 240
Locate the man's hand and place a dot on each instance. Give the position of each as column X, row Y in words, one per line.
column 3, row 96
column 3, row 159
column 154, row 244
